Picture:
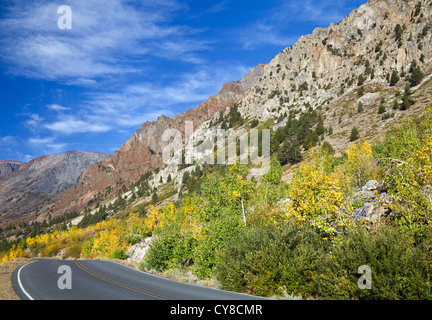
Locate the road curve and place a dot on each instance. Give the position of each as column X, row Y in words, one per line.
column 105, row 280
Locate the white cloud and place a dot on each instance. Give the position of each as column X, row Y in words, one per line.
column 57, row 107
column 46, row 145
column 190, row 89
column 130, row 105
column 218, row 7
column 318, row 12
column 70, row 125
column 107, row 38
column 265, row 34
column 8, row 144
column 34, row 121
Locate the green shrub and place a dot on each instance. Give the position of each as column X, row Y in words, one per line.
column 73, row 252
column 399, row 269
column 263, row 261
column 168, row 250
column 220, row 232
column 254, row 123
column 118, row 253
column 354, row 134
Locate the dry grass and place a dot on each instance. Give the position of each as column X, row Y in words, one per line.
column 6, row 269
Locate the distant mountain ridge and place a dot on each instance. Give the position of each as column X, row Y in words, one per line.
column 29, row 188
column 9, row 166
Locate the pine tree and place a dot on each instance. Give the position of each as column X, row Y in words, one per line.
column 154, row 198
column 290, row 152
column 354, row 134
column 398, row 32
column 407, row 100
column 416, row 76
column 394, row 78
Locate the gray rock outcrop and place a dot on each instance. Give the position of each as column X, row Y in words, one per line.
column 376, row 205
column 9, row 166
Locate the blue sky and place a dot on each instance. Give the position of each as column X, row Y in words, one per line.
column 125, row 62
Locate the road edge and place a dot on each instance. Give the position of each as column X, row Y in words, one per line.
column 17, row 284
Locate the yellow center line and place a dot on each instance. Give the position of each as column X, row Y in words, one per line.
column 154, row 295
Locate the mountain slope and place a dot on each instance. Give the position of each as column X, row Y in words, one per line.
column 34, row 184
column 332, row 70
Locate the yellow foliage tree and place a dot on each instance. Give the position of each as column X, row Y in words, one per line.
column 191, row 218
column 153, row 219
column 361, row 165
column 318, row 194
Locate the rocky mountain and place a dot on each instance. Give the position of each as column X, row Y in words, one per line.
column 31, row 188
column 367, row 72
column 9, row 166
column 365, row 59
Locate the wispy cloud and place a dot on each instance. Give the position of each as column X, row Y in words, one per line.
column 266, row 34
column 107, row 38
column 130, row 105
column 218, row 7
column 34, row 120
column 46, row 145
column 319, row 12
column 70, row 124
column 190, row 88
column 57, row 107
column 8, row 143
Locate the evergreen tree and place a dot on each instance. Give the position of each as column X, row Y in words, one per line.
column 290, row 152
column 416, row 76
column 394, row 78
column 354, row 134
column 311, row 140
column 407, row 100
column 398, row 32
column 328, row 147
column 154, row 198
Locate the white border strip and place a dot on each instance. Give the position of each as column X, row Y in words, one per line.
column 20, row 283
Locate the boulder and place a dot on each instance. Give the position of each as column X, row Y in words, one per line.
column 137, row 251
column 377, row 205
column 371, row 185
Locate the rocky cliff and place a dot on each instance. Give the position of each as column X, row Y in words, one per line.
column 9, row 166
column 334, row 69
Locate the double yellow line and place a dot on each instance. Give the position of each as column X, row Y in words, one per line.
column 154, row 295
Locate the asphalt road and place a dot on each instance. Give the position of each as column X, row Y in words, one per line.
column 105, row 280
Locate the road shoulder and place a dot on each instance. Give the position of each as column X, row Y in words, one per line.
column 7, row 269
